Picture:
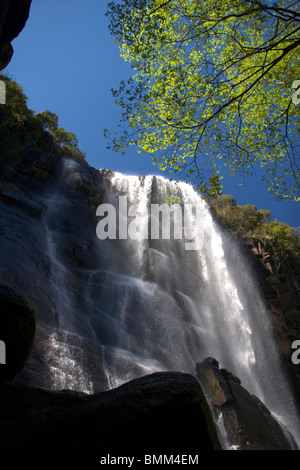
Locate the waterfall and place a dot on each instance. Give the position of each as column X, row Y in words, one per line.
column 155, row 304
column 185, row 305
column 65, row 357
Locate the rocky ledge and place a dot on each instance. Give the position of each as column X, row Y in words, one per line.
column 247, row 422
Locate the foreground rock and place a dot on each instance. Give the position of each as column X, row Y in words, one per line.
column 162, row 412
column 249, row 425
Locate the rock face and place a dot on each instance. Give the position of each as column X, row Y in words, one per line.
column 46, row 185
column 283, row 302
column 50, row 255
column 13, row 17
column 17, row 331
column 248, row 424
column 162, row 412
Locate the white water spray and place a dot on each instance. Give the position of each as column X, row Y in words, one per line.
column 153, row 305
column 207, row 304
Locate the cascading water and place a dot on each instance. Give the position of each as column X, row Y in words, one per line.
column 200, row 303
column 65, row 357
column 154, row 305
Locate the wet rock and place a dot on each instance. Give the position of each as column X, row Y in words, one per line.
column 214, row 382
column 40, row 213
column 32, row 207
column 52, row 346
column 248, row 423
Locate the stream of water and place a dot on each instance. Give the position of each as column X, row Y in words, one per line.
column 158, row 305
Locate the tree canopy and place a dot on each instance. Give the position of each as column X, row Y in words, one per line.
column 214, row 86
column 21, row 129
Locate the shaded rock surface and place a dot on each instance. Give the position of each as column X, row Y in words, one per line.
column 162, row 412
column 53, row 346
column 248, row 424
column 13, row 17
column 17, row 331
column 51, row 200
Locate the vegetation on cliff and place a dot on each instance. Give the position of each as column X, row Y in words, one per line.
column 21, row 129
column 276, row 242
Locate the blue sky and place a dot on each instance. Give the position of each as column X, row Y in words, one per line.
column 66, row 61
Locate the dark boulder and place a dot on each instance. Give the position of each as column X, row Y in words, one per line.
column 164, row 412
column 247, row 422
column 17, row 331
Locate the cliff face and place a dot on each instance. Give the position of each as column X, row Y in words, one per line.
column 283, row 303
column 13, row 17
column 50, row 206
column 50, row 253
column 53, row 263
